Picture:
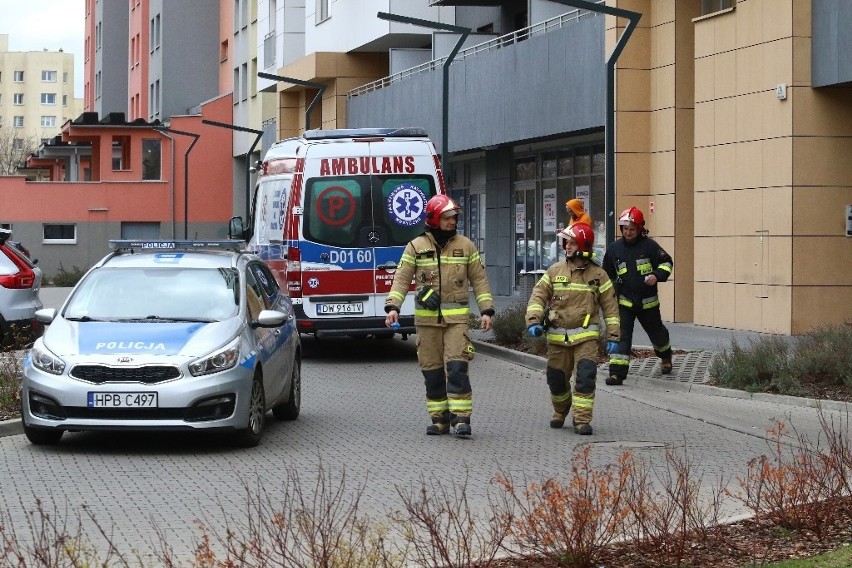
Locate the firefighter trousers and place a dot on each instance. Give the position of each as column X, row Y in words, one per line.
column 562, row 361
column 652, row 322
column 443, row 352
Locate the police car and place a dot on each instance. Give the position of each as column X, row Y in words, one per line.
column 177, row 335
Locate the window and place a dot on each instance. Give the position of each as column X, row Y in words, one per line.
column 65, row 77
column 151, row 159
column 48, row 76
column 19, row 122
column 19, row 77
column 18, row 99
column 65, row 100
column 48, row 121
column 98, row 85
column 322, row 11
column 48, row 98
column 711, row 6
column 18, row 144
column 98, row 36
column 244, row 82
column 155, row 32
column 54, row 234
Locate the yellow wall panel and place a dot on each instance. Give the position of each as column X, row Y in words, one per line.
column 725, row 121
column 746, row 210
column 777, row 16
column 705, row 251
column 705, row 39
column 777, row 210
column 705, row 212
column 705, row 124
column 822, row 161
column 777, row 63
column 634, row 89
column 747, row 259
column 778, row 261
column 749, row 164
column 702, row 309
column 820, row 211
column 722, row 263
column 822, row 261
column 724, row 305
column 749, row 70
column 749, row 23
column 725, row 74
column 662, row 123
column 660, row 221
column 815, row 306
column 662, row 11
column 705, row 169
column 749, row 306
column 802, row 19
column 726, row 224
column 633, row 132
column 662, row 173
column 663, row 45
column 662, row 88
column 822, row 112
column 631, row 174
column 802, row 61
column 724, row 173
column 777, row 115
column 749, row 117
column 776, row 310
column 705, row 79
column 778, row 162
column 637, row 52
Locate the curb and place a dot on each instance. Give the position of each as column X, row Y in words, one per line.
column 538, row 363
column 11, row 427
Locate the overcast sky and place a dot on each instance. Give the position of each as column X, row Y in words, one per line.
column 34, row 25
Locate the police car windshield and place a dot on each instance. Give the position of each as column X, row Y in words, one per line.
column 169, row 294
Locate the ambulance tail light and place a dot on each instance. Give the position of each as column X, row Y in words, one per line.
column 294, row 272
column 441, row 187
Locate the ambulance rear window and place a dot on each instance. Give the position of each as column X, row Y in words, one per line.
column 344, row 212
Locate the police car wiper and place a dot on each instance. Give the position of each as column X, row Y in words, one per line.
column 160, row 318
column 83, row 318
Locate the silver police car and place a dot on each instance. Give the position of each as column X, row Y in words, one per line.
column 174, row 335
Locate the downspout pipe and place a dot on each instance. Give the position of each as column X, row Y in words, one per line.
column 633, row 21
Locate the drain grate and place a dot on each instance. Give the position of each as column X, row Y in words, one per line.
column 692, row 367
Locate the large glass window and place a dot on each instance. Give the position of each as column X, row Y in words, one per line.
column 151, row 160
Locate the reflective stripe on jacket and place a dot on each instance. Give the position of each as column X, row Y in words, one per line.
column 451, row 273
column 570, row 296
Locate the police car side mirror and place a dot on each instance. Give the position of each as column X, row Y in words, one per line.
column 46, row 315
column 269, row 318
column 236, row 230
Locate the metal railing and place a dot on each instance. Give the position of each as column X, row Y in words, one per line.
column 512, row 38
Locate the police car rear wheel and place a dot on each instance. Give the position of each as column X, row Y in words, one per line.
column 290, row 409
column 250, row 437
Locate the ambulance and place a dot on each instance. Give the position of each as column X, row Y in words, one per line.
column 349, row 202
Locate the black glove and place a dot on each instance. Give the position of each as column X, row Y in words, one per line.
column 428, row 298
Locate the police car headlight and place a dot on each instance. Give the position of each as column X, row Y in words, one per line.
column 46, row 361
column 219, row 361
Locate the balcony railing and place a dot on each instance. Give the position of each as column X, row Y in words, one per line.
column 543, row 27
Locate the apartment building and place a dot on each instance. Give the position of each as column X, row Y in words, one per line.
column 36, row 93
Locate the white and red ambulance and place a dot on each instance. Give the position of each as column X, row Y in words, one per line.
column 349, row 201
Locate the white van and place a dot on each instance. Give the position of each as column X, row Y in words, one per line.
column 353, row 200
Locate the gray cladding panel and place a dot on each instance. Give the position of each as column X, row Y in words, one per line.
column 831, row 63
column 546, row 85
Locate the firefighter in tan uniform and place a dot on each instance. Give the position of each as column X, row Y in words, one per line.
column 564, row 306
column 443, row 264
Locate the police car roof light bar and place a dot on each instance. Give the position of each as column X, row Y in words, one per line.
column 131, row 245
column 408, row 132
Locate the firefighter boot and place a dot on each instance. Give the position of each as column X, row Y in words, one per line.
column 439, row 425
column 666, row 366
column 583, row 429
column 557, row 420
column 463, row 426
column 612, row 380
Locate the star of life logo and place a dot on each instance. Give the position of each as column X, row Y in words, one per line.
column 406, row 204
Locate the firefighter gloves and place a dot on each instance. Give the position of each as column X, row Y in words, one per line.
column 428, row 298
column 536, row 330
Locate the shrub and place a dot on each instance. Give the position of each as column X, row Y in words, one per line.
column 762, row 367
column 824, row 353
column 67, row 278
column 510, row 324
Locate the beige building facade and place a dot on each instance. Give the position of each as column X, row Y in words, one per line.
column 36, row 93
column 742, row 166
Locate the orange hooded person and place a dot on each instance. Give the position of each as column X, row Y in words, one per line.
column 576, row 212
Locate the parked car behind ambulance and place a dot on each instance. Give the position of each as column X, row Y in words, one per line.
column 356, row 198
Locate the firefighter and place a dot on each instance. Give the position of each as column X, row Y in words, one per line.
column 636, row 263
column 443, row 264
column 564, row 306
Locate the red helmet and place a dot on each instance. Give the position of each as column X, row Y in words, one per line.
column 632, row 215
column 581, row 233
column 437, row 206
